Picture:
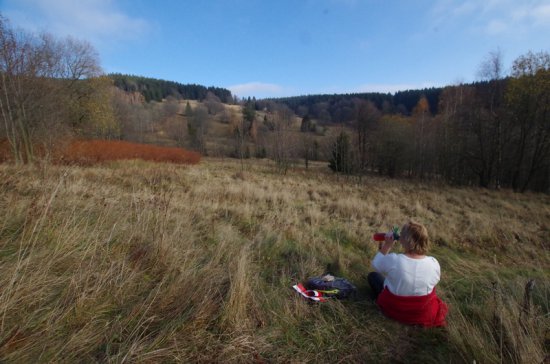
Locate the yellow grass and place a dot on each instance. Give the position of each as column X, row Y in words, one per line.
column 139, row 262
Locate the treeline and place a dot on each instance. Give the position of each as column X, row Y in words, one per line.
column 154, row 89
column 340, row 108
column 491, row 134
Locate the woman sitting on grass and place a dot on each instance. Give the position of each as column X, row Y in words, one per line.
column 404, row 284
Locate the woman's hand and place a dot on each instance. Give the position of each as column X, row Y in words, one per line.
column 388, row 243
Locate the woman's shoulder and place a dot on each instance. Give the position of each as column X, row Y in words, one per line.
column 432, row 260
column 388, row 258
column 428, row 259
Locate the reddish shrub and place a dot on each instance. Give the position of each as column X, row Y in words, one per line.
column 5, row 152
column 87, row 152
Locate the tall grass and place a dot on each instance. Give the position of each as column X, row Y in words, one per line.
column 133, row 261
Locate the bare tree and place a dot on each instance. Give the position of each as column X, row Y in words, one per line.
column 170, row 107
column 41, row 85
column 213, row 103
column 421, row 117
column 283, row 143
column 308, row 147
column 197, row 127
column 452, row 138
column 366, row 120
column 491, row 70
column 529, row 101
column 97, row 112
column 391, row 147
column 238, row 130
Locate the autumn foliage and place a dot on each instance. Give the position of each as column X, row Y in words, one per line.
column 86, row 152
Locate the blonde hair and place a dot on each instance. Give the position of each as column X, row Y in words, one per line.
column 415, row 238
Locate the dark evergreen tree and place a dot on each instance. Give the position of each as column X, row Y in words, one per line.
column 342, row 159
column 188, row 110
column 306, row 124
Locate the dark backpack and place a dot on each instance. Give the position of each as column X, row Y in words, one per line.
column 331, row 286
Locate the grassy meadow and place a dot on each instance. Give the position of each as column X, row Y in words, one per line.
column 135, row 261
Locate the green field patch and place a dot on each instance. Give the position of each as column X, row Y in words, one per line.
column 338, row 236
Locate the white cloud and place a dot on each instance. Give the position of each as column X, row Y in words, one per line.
column 258, row 89
column 519, row 14
column 534, row 15
column 99, row 21
column 351, row 3
column 464, row 9
column 496, row 27
column 542, row 14
column 493, row 17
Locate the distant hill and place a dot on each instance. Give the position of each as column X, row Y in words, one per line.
column 155, row 89
column 338, row 108
column 332, row 108
column 327, row 108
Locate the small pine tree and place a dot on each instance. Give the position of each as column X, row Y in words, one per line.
column 342, row 159
column 188, row 110
column 261, row 153
column 306, row 124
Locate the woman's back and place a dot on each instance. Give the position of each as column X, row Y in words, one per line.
column 406, row 276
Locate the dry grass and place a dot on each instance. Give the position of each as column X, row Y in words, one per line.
column 140, row 262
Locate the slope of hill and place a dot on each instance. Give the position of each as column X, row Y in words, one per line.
column 134, row 261
column 157, row 90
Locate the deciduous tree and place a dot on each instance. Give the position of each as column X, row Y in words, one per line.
column 41, row 86
column 528, row 97
column 342, row 156
column 366, row 120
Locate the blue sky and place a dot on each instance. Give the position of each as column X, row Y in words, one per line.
column 295, row 47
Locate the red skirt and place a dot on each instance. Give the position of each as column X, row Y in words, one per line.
column 428, row 310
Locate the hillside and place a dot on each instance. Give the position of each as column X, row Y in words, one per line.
column 142, row 262
column 172, row 129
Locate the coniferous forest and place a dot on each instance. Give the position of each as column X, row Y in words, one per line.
column 157, row 90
